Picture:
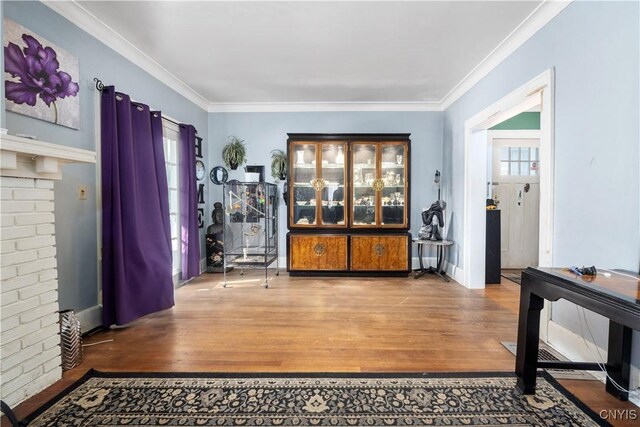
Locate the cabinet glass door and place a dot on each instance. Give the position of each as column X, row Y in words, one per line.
column 304, row 180
column 332, row 190
column 394, row 177
column 365, row 178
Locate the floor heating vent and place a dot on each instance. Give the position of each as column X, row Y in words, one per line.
column 547, row 353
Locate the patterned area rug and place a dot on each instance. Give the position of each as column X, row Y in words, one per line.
column 487, row 399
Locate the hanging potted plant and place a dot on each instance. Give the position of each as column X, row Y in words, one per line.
column 278, row 164
column 234, row 153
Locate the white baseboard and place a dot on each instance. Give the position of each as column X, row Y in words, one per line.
column 90, row 318
column 456, row 273
column 426, row 261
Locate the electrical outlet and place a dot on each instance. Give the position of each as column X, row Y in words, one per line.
column 82, row 192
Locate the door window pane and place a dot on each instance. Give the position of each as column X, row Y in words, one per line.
column 514, row 168
column 517, row 161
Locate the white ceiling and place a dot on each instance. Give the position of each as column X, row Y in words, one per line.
column 288, row 52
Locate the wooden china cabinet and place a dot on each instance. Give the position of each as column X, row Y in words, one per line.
column 348, row 207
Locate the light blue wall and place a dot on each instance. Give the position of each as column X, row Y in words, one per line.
column 594, row 48
column 76, row 233
column 264, row 132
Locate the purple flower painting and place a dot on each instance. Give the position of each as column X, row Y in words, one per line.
column 41, row 79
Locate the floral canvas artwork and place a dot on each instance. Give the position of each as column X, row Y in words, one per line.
column 41, row 79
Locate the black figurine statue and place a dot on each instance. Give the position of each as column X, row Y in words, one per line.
column 215, row 240
column 432, row 220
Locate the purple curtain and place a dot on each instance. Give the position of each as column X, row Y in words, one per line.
column 136, row 236
column 189, row 203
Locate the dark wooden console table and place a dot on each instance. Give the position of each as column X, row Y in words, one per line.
column 616, row 297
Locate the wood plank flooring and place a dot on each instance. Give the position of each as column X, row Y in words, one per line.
column 321, row 325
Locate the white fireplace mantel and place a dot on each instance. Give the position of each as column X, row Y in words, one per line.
column 29, row 336
column 29, row 158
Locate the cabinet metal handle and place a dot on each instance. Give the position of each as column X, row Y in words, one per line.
column 319, row 249
column 378, row 184
column 318, row 184
column 379, row 249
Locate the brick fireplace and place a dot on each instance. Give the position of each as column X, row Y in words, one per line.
column 29, row 330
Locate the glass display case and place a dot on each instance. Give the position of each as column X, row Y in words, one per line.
column 251, row 226
column 377, row 185
column 349, row 203
column 317, row 186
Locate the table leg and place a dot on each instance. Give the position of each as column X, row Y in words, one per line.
column 619, row 359
column 528, row 336
column 422, row 269
column 441, row 251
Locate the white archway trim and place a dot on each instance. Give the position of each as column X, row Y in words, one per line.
column 537, row 92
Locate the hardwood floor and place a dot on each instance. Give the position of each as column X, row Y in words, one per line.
column 321, row 325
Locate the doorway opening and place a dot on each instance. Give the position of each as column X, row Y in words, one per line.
column 513, row 164
column 535, row 94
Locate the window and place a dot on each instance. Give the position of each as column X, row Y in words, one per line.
column 519, row 161
column 170, row 137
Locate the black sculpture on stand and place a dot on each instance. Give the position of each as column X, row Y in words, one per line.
column 433, row 218
column 215, row 241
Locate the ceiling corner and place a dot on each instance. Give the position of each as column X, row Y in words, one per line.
column 537, row 19
column 90, row 24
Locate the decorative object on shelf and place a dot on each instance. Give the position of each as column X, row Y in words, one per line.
column 41, row 79
column 200, row 170
column 218, row 175
column 234, row 153
column 279, row 164
column 301, row 157
column 340, row 156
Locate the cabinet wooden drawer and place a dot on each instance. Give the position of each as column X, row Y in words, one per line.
column 379, row 253
column 317, row 252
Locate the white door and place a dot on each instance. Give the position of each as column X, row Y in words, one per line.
column 516, row 188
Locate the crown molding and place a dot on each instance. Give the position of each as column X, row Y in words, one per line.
column 90, row 24
column 282, row 107
column 537, row 19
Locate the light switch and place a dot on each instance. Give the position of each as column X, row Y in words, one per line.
column 82, row 192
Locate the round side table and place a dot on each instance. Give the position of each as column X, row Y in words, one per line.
column 441, row 254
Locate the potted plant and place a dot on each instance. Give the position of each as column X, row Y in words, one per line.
column 234, row 153
column 278, row 164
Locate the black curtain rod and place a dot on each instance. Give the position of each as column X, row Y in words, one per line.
column 100, row 87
